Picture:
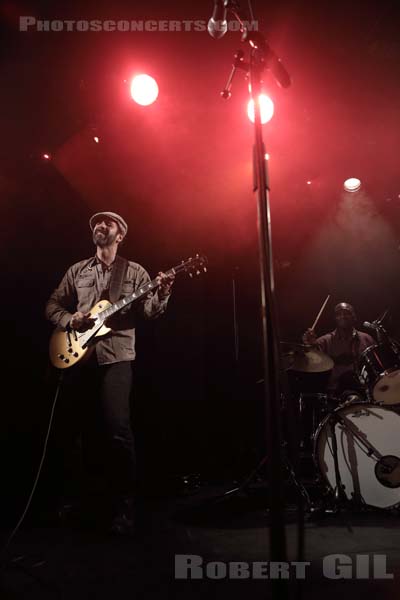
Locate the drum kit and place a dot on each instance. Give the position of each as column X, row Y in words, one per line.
column 353, row 440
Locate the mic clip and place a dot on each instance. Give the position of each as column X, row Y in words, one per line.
column 237, row 64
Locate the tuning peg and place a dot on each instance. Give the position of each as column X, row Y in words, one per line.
column 190, row 274
column 197, row 272
column 205, row 269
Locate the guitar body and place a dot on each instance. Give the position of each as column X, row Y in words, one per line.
column 66, row 348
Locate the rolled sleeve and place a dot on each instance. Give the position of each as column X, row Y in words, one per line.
column 154, row 305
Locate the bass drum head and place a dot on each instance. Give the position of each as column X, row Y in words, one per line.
column 377, row 426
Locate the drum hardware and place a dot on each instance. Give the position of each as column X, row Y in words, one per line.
column 357, row 453
column 307, row 359
column 356, row 444
column 312, row 361
column 339, row 497
column 287, row 360
column 336, row 418
column 242, row 487
column 379, row 366
column 339, row 493
column 312, row 409
column 379, row 372
column 387, row 470
column 353, row 439
column 352, row 397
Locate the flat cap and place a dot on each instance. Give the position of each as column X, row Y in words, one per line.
column 109, row 215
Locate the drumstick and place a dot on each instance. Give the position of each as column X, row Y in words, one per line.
column 320, row 312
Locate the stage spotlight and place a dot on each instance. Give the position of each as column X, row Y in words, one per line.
column 96, row 139
column 144, row 90
column 46, row 156
column 266, row 109
column 352, row 185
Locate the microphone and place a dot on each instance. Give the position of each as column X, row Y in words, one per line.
column 374, row 325
column 217, row 25
column 272, row 61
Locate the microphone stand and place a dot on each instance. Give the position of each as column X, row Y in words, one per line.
column 260, row 57
column 268, row 315
column 381, row 333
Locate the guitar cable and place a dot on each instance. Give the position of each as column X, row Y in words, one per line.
column 21, row 519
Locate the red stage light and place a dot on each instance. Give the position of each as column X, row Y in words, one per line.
column 46, row 156
column 266, row 108
column 144, row 90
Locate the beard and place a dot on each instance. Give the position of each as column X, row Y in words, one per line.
column 102, row 240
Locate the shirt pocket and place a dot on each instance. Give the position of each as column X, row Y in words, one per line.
column 85, row 290
column 127, row 288
column 83, row 283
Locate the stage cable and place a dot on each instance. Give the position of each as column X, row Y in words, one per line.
column 21, row 519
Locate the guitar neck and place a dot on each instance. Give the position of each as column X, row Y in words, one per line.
column 136, row 296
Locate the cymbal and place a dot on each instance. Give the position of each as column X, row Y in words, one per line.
column 312, row 361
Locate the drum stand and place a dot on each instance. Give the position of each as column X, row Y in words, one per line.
column 286, row 462
column 339, row 496
column 242, row 487
column 340, row 500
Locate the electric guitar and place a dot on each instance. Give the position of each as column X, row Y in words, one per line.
column 68, row 347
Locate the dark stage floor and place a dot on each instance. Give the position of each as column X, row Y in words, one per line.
column 66, row 560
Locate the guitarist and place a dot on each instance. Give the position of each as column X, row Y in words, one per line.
column 105, row 380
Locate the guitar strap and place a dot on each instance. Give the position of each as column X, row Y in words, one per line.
column 119, row 269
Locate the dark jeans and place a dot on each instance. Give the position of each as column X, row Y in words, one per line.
column 92, row 449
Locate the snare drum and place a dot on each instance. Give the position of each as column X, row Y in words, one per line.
column 368, row 453
column 379, row 371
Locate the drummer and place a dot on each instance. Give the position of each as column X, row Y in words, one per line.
column 344, row 345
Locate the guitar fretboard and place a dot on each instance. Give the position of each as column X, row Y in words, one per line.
column 137, row 295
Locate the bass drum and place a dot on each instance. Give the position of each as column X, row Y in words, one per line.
column 368, row 452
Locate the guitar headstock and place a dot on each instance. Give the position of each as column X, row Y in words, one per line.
column 195, row 266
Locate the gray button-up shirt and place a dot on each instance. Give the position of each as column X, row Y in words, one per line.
column 86, row 283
